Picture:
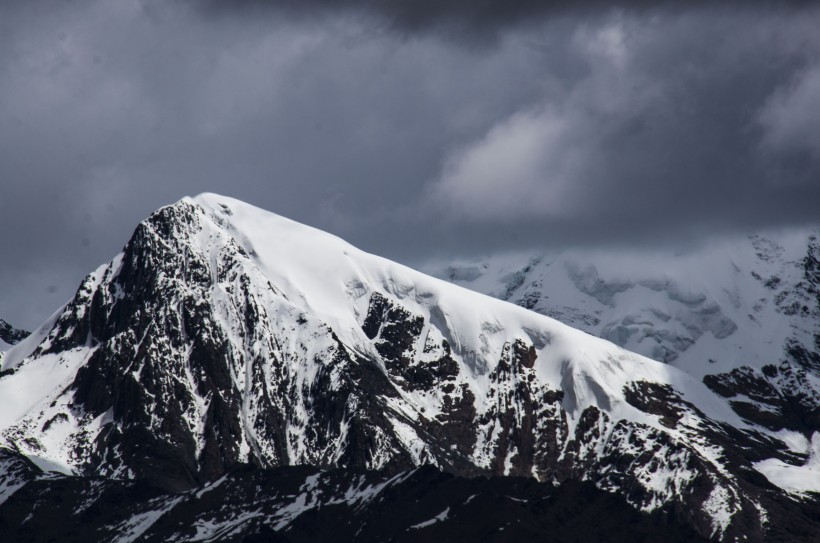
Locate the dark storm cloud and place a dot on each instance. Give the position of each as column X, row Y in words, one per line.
column 474, row 16
column 674, row 124
column 598, row 126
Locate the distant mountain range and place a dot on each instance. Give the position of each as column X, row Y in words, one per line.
column 224, row 338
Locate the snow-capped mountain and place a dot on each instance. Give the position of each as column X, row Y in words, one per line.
column 225, row 335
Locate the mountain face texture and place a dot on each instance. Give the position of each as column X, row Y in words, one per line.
column 224, row 336
column 304, row 504
column 742, row 315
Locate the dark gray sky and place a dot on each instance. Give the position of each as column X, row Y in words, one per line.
column 412, row 129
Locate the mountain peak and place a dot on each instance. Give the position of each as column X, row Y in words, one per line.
column 225, row 335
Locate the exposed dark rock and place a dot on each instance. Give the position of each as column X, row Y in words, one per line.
column 11, row 335
column 657, row 399
column 778, row 397
column 298, row 504
column 395, row 331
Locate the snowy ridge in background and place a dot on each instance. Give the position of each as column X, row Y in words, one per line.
column 732, row 303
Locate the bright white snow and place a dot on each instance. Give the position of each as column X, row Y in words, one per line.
column 805, row 478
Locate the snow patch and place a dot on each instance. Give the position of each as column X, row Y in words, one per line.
column 438, row 518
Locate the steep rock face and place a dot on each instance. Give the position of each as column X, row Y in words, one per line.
column 223, row 335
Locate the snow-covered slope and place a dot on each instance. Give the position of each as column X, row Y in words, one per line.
column 224, row 334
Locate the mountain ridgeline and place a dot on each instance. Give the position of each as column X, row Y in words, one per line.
column 224, row 336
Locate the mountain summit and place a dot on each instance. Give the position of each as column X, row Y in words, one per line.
column 225, row 335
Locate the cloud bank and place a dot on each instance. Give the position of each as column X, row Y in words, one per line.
column 411, row 129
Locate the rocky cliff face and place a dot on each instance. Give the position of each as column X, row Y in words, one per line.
column 224, row 336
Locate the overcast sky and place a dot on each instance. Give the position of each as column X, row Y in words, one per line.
column 413, row 129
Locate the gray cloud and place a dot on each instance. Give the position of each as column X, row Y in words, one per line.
column 790, row 118
column 672, row 124
column 600, row 126
column 474, row 19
